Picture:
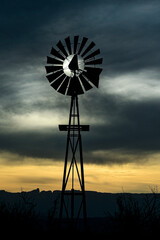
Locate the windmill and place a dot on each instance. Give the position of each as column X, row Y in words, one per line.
column 72, row 70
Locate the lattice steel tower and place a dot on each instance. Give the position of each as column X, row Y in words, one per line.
column 72, row 70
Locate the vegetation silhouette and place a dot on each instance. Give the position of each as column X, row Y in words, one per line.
column 132, row 219
column 19, row 219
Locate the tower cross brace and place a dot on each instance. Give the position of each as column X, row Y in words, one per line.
column 74, row 147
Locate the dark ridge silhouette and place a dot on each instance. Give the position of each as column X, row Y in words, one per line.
column 124, row 215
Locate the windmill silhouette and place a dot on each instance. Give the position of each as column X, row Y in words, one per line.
column 72, row 70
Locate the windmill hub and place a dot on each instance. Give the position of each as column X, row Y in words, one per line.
column 73, row 65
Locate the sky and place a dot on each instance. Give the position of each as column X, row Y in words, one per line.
column 122, row 150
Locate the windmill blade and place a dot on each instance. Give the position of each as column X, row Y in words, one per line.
column 74, row 87
column 58, row 81
column 87, row 86
column 50, row 69
column 54, row 76
column 75, row 44
column 64, row 85
column 83, row 43
column 91, row 45
column 55, row 53
column 94, row 62
column 92, row 54
column 92, row 75
column 68, row 43
column 53, row 61
column 61, row 47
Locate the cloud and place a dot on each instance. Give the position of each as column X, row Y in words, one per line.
column 123, row 113
column 37, row 180
column 34, row 144
column 129, row 127
column 126, row 32
column 119, row 157
column 137, row 86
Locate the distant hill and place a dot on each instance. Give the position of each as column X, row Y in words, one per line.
column 99, row 205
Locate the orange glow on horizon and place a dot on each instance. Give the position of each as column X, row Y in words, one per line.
column 101, row 178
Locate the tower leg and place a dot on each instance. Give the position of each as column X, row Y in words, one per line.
column 73, row 146
column 81, row 164
column 65, row 163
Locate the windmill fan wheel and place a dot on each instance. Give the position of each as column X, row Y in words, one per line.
column 72, row 67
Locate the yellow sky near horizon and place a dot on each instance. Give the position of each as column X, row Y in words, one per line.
column 47, row 175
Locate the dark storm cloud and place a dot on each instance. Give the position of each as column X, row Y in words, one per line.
column 131, row 127
column 133, row 132
column 127, row 32
column 34, row 144
column 134, row 126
